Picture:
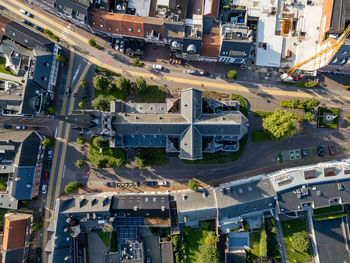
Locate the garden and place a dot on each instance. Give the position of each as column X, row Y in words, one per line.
column 327, row 117
column 296, row 240
column 3, row 69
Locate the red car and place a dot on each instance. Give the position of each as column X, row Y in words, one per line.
column 331, row 150
column 46, row 176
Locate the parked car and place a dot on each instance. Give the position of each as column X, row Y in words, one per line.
column 158, row 67
column 44, row 188
column 38, row 28
column 23, row 11
column 6, row 126
column 331, row 150
column 21, row 127
column 29, row 14
column 110, row 184
column 122, row 46
column 117, row 43
column 204, row 73
column 27, row 22
column 303, row 153
column 46, row 176
column 163, row 183
column 320, row 150
column 150, row 183
column 193, row 72
column 68, row 92
column 49, row 154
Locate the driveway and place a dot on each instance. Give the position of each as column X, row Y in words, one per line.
column 97, row 249
column 330, row 238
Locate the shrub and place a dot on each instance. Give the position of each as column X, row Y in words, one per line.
column 176, row 242
column 308, row 116
column 52, row 109
column 100, row 103
column 294, row 103
column 83, row 83
column 261, row 113
column 232, row 74
column 51, row 35
column 82, row 104
column 93, row 43
column 72, row 187
column 310, row 103
column 243, row 103
column 81, row 141
column 285, row 103
column 140, row 163
column 37, row 226
column 310, row 84
column 100, row 162
column 136, row 62
column 300, row 241
column 79, row 163
column 246, row 226
column 211, row 239
column 208, row 253
column 193, row 184
column 47, row 142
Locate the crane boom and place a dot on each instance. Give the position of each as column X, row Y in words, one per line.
column 334, row 48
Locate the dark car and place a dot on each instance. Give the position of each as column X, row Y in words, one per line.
column 320, row 150
column 46, row 176
column 303, row 153
column 110, row 184
column 151, row 183
column 5, row 126
column 331, row 150
column 38, row 28
column 204, row 73
column 27, row 22
column 193, row 72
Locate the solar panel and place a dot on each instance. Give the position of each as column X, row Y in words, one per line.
column 129, row 221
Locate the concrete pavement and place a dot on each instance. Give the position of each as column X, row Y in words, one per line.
column 11, row 77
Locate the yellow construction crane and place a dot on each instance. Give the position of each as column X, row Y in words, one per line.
column 334, row 48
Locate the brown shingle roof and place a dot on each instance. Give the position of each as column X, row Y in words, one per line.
column 15, row 227
column 210, row 45
column 3, row 22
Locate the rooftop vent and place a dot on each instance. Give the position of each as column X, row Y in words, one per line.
column 240, row 190
column 184, row 197
column 205, row 194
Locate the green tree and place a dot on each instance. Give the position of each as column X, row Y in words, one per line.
column 300, row 241
column 92, row 42
column 101, row 104
column 52, row 109
column 294, row 103
column 83, row 83
column 140, row 163
column 72, row 187
column 232, row 74
column 82, row 104
column 308, row 116
column 101, row 162
column 193, row 184
column 62, row 59
column 211, row 239
column 79, row 163
column 141, row 84
column 208, row 254
column 263, row 244
column 99, row 142
column 81, row 141
column 47, row 142
column 136, row 62
column 310, row 103
column 123, row 85
column 280, row 124
column 101, row 82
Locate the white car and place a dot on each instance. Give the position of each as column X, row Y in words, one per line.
column 21, row 127
column 157, row 67
column 49, row 154
column 23, row 11
column 44, row 188
column 163, row 183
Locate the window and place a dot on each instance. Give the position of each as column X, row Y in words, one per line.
column 117, row 29
column 130, row 29
column 101, row 25
column 14, row 34
column 109, row 29
column 124, row 28
column 139, row 30
column 93, row 23
column 26, row 41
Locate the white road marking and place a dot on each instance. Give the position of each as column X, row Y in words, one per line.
column 76, row 73
column 56, row 132
column 64, row 171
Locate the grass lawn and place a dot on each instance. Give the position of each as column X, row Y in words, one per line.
column 2, row 184
column 215, row 95
column 209, row 158
column 254, row 238
column 289, row 228
column 2, row 67
column 104, row 237
column 321, row 123
column 193, row 238
column 114, row 242
column 109, row 95
column 330, row 216
column 154, row 94
column 259, row 136
column 242, row 143
column 153, row 156
column 114, row 157
column 329, row 209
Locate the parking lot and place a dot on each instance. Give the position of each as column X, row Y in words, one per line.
column 311, row 152
column 331, row 242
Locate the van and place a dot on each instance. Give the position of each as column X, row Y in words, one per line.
column 44, row 188
column 157, row 67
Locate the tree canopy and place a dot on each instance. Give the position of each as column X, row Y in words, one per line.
column 208, row 254
column 300, row 241
column 232, row 74
column 101, row 82
column 193, row 184
column 79, row 163
column 62, row 59
column 211, row 239
column 101, row 104
column 47, row 142
column 139, row 162
column 280, row 124
column 82, row 104
column 141, row 85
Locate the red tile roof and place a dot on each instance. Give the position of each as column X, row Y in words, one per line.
column 15, row 228
column 3, row 22
column 210, row 45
